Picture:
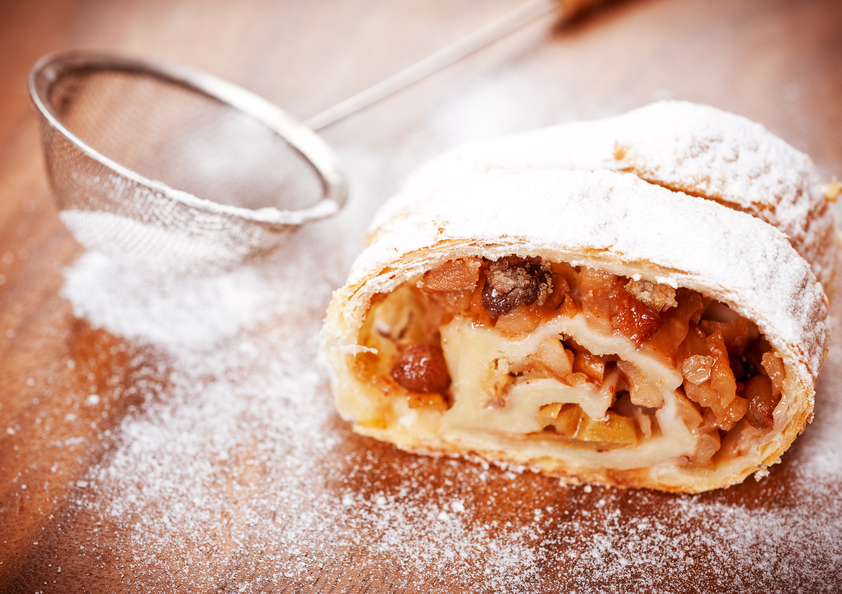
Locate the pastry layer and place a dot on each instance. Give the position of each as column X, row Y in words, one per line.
column 605, row 221
column 695, row 149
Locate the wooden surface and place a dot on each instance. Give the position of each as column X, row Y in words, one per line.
column 110, row 491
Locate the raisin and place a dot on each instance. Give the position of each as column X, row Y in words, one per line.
column 761, row 402
column 421, row 368
column 513, row 281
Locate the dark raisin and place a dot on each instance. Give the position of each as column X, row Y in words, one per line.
column 513, row 281
column 421, row 368
column 761, row 403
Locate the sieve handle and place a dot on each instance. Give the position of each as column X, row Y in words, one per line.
column 497, row 29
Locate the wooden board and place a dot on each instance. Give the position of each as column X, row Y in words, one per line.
column 175, row 435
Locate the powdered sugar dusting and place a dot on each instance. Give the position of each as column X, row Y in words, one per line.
column 684, row 146
column 243, row 449
column 237, row 475
column 608, row 220
column 195, row 312
column 690, row 545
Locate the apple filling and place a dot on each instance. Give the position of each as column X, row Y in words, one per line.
column 616, row 371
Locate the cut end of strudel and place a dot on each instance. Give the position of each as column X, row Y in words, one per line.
column 587, row 323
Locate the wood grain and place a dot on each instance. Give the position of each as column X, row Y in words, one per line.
column 778, row 62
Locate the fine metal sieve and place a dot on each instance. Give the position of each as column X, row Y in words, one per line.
column 171, row 169
column 174, row 170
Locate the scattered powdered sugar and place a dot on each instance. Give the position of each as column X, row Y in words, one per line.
column 237, row 475
column 690, row 545
column 196, row 312
column 242, row 448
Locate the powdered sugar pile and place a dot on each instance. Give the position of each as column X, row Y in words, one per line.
column 238, row 475
column 193, row 312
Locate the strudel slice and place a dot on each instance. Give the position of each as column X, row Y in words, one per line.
column 587, row 324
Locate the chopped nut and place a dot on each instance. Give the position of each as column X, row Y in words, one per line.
column 514, row 281
column 568, row 420
column 613, row 429
column 696, row 368
column 657, row 296
column 722, row 378
column 520, row 320
column 595, row 292
column 429, row 401
column 591, row 365
column 641, row 390
column 461, row 274
column 687, row 411
column 675, row 324
column 496, row 382
column 738, row 334
column 452, row 301
column 631, row 317
column 775, row 370
column 719, row 392
column 554, row 359
column 548, row 413
column 707, row 444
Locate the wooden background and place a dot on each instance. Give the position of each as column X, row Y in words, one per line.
column 69, row 494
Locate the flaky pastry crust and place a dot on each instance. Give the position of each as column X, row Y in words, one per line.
column 686, row 147
column 605, row 219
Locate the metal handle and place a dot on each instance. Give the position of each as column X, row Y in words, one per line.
column 497, row 29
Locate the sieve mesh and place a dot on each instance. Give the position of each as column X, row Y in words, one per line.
column 173, row 170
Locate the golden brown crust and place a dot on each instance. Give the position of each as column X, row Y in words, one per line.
column 605, row 220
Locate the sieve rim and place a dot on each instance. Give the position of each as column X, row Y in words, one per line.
column 303, row 139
